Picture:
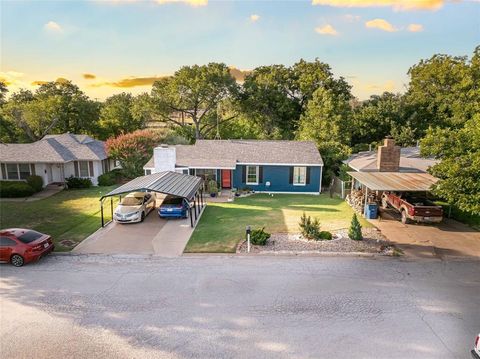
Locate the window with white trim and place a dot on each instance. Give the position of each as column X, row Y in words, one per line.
column 83, row 168
column 16, row 171
column 252, row 175
column 299, row 176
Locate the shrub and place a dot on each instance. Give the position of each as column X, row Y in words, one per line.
column 13, row 189
column 78, row 182
column 133, row 150
column 355, row 230
column 36, row 182
column 110, row 178
column 259, row 237
column 310, row 228
column 212, row 186
column 325, row 235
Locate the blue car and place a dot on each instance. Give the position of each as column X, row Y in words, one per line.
column 173, row 207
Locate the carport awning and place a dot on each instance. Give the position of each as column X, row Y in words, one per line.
column 169, row 182
column 395, row 181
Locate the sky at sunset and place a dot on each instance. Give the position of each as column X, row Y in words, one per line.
column 107, row 47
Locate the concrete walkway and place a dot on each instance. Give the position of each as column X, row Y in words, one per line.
column 448, row 239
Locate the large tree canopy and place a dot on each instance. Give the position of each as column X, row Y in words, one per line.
column 275, row 96
column 194, row 92
column 116, row 116
column 56, row 107
column 459, row 168
column 327, row 122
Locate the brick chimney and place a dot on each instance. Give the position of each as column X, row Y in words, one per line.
column 388, row 157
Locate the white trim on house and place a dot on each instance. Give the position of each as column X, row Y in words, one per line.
column 282, row 164
column 207, row 168
column 286, row 192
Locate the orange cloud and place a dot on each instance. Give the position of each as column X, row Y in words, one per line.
column 415, row 28
column 89, row 76
column 130, row 82
column 59, row 80
column 380, row 24
column 326, row 30
column 254, row 17
column 237, row 74
column 399, row 5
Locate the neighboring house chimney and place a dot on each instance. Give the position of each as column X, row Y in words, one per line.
column 388, row 157
column 164, row 158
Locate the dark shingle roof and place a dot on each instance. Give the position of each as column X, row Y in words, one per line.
column 55, row 148
column 227, row 153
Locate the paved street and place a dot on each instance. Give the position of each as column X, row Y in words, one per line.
column 239, row 307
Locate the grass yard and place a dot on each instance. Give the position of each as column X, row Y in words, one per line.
column 222, row 225
column 70, row 214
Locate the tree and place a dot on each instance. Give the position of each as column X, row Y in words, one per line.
column 194, row 92
column 75, row 112
column 459, row 167
column 381, row 116
column 56, row 107
column 133, row 150
column 275, row 96
column 443, row 91
column 116, row 116
column 355, row 230
column 327, row 121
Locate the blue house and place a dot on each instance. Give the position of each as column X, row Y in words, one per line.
column 263, row 166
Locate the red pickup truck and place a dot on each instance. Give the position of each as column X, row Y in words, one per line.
column 413, row 208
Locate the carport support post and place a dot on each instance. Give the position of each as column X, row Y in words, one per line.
column 101, row 211
column 190, row 215
column 111, row 207
column 365, row 205
column 195, row 207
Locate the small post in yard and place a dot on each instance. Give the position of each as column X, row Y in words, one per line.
column 101, row 211
column 248, row 231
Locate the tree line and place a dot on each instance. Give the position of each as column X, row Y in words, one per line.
column 305, row 101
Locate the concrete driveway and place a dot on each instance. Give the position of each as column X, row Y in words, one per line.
column 154, row 236
column 239, row 307
column 448, row 239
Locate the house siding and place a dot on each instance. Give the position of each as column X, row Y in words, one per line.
column 279, row 178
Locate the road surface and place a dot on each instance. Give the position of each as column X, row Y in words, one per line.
column 239, row 307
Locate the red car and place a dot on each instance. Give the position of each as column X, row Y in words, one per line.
column 19, row 246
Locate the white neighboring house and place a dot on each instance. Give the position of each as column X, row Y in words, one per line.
column 55, row 157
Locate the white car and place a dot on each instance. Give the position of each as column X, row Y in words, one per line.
column 134, row 207
column 476, row 348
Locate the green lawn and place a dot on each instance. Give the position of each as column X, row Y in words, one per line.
column 70, row 214
column 222, row 225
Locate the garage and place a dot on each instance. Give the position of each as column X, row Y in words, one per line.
column 154, row 235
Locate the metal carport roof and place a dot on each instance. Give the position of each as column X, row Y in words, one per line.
column 395, row 181
column 169, row 182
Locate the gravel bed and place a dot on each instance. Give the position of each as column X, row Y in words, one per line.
column 373, row 242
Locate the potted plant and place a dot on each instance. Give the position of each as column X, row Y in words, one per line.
column 213, row 188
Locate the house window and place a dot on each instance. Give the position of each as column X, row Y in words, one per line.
column 83, row 167
column 252, row 175
column 16, row 171
column 299, row 176
column 206, row 174
column 24, row 170
column 12, row 171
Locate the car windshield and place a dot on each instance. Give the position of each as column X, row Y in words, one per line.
column 30, row 236
column 132, row 201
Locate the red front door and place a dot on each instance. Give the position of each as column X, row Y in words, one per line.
column 226, row 178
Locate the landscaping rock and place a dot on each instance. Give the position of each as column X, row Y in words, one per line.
column 293, row 243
